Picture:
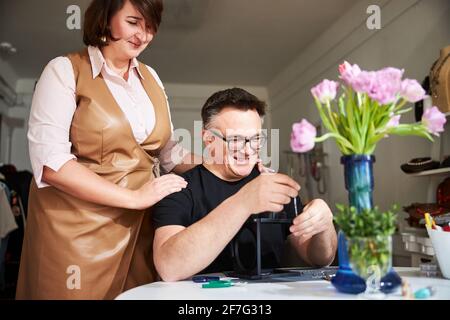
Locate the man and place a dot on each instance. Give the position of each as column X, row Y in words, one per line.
column 194, row 227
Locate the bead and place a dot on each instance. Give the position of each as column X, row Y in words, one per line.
column 423, row 293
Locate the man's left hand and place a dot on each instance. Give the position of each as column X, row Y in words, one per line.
column 316, row 218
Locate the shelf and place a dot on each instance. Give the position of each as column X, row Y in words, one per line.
column 440, row 171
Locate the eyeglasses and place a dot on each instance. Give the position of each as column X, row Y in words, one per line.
column 237, row 143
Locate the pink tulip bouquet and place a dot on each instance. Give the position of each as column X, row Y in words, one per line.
column 368, row 110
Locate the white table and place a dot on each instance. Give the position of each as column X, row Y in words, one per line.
column 310, row 290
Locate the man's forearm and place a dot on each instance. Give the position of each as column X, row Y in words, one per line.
column 194, row 248
column 322, row 248
column 319, row 250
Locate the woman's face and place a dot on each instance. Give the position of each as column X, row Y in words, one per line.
column 134, row 35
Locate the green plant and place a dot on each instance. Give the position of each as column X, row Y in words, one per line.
column 369, row 238
column 367, row 223
column 370, row 254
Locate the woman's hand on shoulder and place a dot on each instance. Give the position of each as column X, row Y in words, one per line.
column 157, row 189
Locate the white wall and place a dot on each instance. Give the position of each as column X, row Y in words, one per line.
column 411, row 36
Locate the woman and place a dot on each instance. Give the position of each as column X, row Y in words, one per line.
column 99, row 128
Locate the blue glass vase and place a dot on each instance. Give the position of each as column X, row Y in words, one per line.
column 358, row 172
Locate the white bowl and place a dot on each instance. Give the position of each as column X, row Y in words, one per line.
column 441, row 246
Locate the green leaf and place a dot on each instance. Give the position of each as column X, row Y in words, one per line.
column 350, row 106
column 367, row 114
column 403, row 111
column 411, row 130
column 368, row 223
column 323, row 116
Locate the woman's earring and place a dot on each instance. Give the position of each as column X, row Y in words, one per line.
column 103, row 39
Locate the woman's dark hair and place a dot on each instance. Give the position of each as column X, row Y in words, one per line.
column 98, row 16
column 235, row 98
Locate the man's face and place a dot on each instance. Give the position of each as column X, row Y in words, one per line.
column 235, row 126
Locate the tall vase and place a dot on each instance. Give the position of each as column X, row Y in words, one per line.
column 358, row 172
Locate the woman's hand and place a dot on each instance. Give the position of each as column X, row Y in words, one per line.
column 153, row 191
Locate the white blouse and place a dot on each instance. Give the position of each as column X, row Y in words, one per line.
column 54, row 105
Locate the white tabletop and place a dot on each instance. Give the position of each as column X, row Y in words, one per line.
column 316, row 290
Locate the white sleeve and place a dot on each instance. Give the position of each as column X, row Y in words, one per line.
column 51, row 114
column 172, row 153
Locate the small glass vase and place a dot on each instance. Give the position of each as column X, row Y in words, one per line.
column 371, row 258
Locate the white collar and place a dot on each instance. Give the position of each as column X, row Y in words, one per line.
column 98, row 62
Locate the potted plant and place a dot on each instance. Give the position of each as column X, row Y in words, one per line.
column 368, row 110
column 369, row 235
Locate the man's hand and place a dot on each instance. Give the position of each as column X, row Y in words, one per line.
column 316, row 218
column 263, row 169
column 268, row 192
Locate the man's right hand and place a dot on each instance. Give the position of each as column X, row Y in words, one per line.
column 268, row 192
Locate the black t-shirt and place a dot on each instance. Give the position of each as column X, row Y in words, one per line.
column 204, row 193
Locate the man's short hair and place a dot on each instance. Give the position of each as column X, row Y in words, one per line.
column 98, row 16
column 236, row 98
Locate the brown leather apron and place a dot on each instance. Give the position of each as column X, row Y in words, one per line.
column 74, row 249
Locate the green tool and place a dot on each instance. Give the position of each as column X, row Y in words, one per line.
column 217, row 284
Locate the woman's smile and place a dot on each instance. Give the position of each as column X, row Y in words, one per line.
column 135, row 43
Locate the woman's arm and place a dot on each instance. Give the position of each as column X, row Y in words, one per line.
column 174, row 158
column 80, row 182
column 190, row 161
column 51, row 115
